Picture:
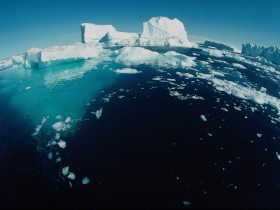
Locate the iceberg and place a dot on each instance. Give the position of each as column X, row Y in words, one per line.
column 93, row 33
column 162, row 31
column 163, row 27
column 56, row 55
column 158, row 31
column 271, row 54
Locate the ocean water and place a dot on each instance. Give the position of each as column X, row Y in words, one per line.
column 150, row 148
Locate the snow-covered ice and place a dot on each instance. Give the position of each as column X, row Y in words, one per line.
column 137, row 55
column 58, row 126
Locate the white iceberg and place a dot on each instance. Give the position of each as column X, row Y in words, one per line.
column 162, row 31
column 93, row 33
column 163, row 27
column 55, row 55
column 271, row 54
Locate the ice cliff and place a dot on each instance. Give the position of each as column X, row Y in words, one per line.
column 93, row 33
column 271, row 54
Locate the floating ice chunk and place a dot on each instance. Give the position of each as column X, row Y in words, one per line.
column 278, row 156
column 58, row 117
column 50, row 156
column 59, row 126
column 65, row 170
column 259, row 135
column 28, row 88
column 61, row 144
column 55, row 55
column 67, row 120
column 213, row 52
column 57, row 136
column 71, row 176
column 203, row 118
column 138, row 55
column 237, row 65
column 186, row 203
column 98, row 113
column 39, row 127
column 85, row 180
column 127, row 71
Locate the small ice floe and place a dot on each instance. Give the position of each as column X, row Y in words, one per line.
column 39, row 127
column 71, row 176
column 50, row 156
column 237, row 65
column 186, row 203
column 127, row 71
column 65, row 170
column 224, row 109
column 61, row 144
column 28, row 88
column 58, row 117
column 59, row 126
column 278, row 156
column 85, row 180
column 58, row 159
column 57, row 136
column 259, row 135
column 122, row 96
column 67, row 120
column 98, row 113
column 210, row 134
column 203, row 118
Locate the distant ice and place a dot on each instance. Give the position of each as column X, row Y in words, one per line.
column 127, row 71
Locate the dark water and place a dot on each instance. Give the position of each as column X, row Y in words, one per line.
column 148, row 150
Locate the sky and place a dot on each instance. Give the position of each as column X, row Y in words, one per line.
column 34, row 23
